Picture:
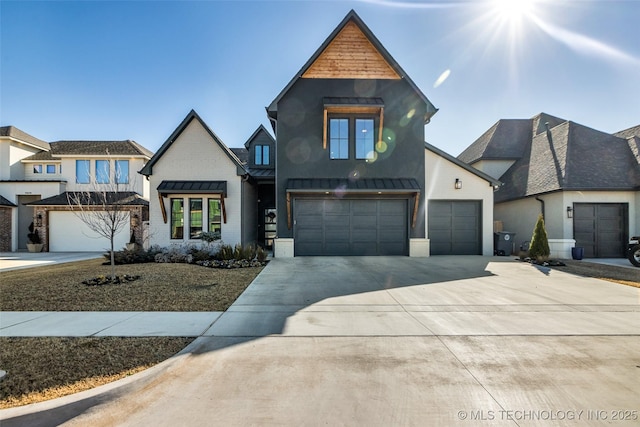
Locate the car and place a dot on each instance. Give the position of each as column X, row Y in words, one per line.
column 633, row 252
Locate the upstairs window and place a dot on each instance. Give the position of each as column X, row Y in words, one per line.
column 356, row 132
column 339, row 138
column 82, row 172
column 122, row 172
column 102, row 171
column 364, row 134
column 261, row 155
column 352, row 127
column 37, row 169
column 51, row 168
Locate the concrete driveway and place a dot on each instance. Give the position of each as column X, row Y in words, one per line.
column 391, row 341
column 19, row 260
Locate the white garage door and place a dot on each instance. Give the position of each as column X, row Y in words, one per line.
column 67, row 233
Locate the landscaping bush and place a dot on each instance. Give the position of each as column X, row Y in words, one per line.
column 135, row 256
column 539, row 248
column 175, row 253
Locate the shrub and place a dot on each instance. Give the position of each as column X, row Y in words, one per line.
column 539, row 247
column 135, row 256
column 175, row 254
column 261, row 254
column 225, row 253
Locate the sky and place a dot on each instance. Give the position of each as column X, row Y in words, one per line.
column 113, row 70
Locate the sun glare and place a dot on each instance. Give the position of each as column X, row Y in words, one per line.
column 513, row 10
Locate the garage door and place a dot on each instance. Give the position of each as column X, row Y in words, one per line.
column 350, row 227
column 455, row 227
column 67, row 233
column 600, row 228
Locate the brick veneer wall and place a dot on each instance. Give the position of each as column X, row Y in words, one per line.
column 5, row 229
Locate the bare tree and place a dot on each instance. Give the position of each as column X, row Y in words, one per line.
column 103, row 206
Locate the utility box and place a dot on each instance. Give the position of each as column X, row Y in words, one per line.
column 503, row 243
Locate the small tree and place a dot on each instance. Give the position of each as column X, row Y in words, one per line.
column 102, row 207
column 539, row 247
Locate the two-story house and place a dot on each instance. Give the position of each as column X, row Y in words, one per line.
column 351, row 176
column 37, row 177
column 349, row 172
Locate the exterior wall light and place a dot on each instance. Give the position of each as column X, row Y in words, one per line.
column 458, row 184
column 569, row 212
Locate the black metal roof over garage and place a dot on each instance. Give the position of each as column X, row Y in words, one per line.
column 174, row 187
column 362, row 185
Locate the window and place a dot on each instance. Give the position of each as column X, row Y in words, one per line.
column 344, row 132
column 102, row 171
column 82, row 172
column 364, row 138
column 195, row 218
column 122, row 172
column 215, row 216
column 262, row 155
column 177, row 218
column 37, row 168
column 339, row 138
column 51, row 168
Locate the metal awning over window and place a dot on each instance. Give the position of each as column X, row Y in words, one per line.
column 363, row 186
column 201, row 187
column 166, row 188
column 352, row 105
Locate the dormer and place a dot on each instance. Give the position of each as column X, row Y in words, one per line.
column 261, row 148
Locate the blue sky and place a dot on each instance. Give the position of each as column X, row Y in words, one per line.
column 105, row 70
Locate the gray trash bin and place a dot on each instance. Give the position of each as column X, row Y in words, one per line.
column 503, row 243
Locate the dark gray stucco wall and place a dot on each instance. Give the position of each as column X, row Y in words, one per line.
column 299, row 138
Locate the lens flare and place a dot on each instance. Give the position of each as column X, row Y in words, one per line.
column 444, row 76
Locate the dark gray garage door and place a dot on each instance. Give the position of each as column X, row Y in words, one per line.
column 350, row 227
column 455, row 227
column 600, row 228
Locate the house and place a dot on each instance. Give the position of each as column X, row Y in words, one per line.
column 199, row 185
column 585, row 182
column 353, row 174
column 36, row 178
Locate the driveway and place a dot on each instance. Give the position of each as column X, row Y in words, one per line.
column 391, row 341
column 19, row 260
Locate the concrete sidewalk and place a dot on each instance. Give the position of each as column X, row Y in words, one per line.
column 19, row 260
column 105, row 324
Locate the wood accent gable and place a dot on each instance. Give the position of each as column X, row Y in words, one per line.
column 350, row 55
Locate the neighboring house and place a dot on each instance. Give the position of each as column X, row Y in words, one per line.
column 36, row 176
column 353, row 176
column 200, row 185
column 585, row 182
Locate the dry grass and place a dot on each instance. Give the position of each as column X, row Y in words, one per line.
column 40, row 369
column 161, row 287
column 611, row 273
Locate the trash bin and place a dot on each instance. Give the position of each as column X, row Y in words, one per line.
column 503, row 243
column 577, row 252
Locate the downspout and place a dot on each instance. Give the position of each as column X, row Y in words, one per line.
column 542, row 203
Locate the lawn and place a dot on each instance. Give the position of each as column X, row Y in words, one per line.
column 39, row 369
